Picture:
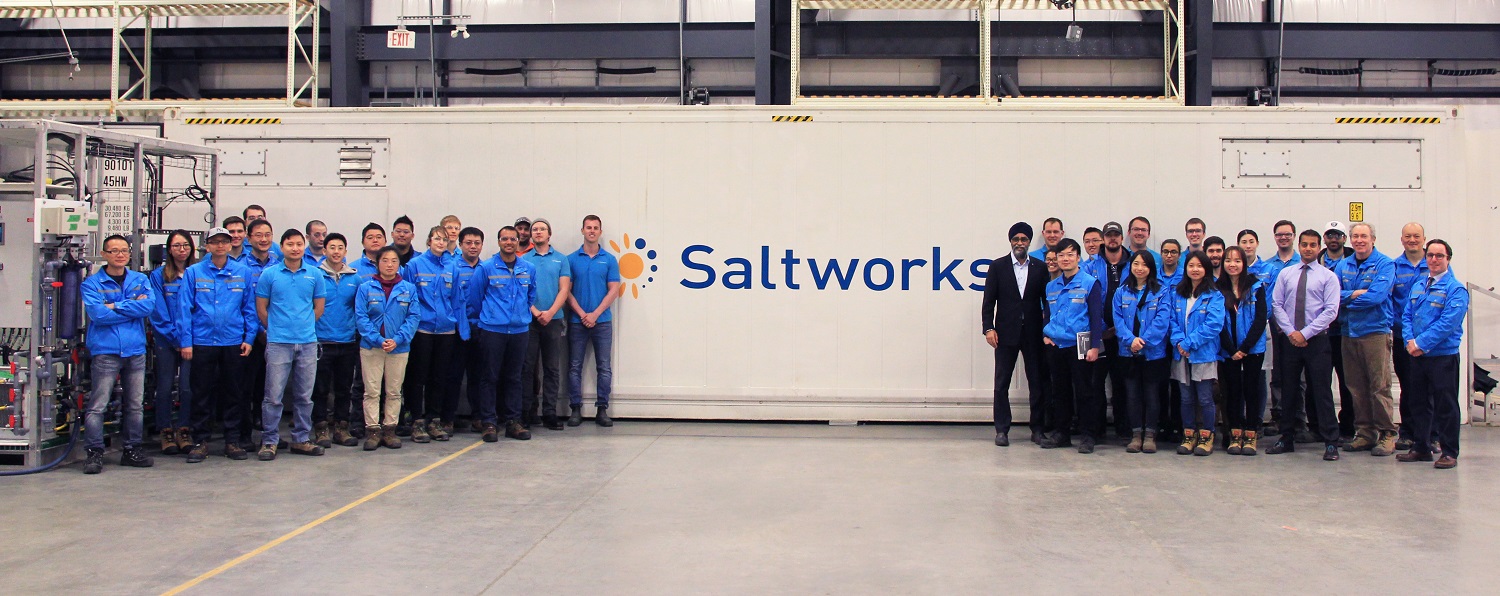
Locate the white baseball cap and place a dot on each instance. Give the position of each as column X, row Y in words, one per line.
column 1336, row 226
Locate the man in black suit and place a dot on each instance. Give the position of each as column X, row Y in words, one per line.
column 1012, row 317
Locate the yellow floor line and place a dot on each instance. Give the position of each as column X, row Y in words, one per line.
column 313, row 524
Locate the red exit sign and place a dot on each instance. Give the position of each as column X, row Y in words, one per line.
column 401, row 38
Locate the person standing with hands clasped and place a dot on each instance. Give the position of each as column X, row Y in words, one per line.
column 596, row 284
column 1075, row 306
column 1143, row 320
column 1434, row 320
column 1011, row 320
column 1305, row 304
column 387, row 313
column 1244, row 349
column 289, row 299
column 1197, row 319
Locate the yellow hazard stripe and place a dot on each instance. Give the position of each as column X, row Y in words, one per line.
column 791, row 119
column 233, row 121
column 1389, row 120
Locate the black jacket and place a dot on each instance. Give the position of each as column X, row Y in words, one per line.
column 1015, row 318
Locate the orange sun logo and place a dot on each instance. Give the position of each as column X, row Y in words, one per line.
column 633, row 266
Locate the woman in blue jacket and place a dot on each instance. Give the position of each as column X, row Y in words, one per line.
column 1143, row 319
column 428, row 378
column 1243, row 349
column 1197, row 319
column 387, row 313
column 170, row 339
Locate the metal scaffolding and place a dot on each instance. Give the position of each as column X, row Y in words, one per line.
column 126, row 14
column 1173, row 39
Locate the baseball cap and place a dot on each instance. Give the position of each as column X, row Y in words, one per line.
column 1336, row 226
column 1113, row 228
column 215, row 232
column 523, row 220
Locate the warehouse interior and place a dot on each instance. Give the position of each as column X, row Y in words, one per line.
column 804, row 198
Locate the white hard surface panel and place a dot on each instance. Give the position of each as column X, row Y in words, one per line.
column 1349, row 163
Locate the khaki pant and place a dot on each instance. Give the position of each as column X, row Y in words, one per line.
column 1367, row 365
column 377, row 364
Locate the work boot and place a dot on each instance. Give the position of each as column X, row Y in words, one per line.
column 1236, row 436
column 1189, row 442
column 267, row 452
column 514, row 430
column 601, row 416
column 1360, row 443
column 1134, row 446
column 436, row 431
column 403, row 427
column 358, row 432
column 575, row 418
column 419, row 431
column 491, row 434
column 1385, row 446
column 135, row 458
column 184, row 439
column 169, row 442
column 372, row 437
column 1248, row 446
column 341, row 434
column 388, row 438
column 552, row 422
column 1148, row 442
column 1205, row 443
column 307, row 448
column 321, row 435
column 197, row 453
column 1404, row 444
column 232, row 450
column 476, row 426
column 95, row 462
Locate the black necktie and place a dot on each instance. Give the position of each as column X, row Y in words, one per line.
column 1300, row 319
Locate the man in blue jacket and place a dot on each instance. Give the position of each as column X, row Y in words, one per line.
column 503, row 292
column 220, row 302
column 1411, row 269
column 472, row 364
column 289, row 300
column 118, row 302
column 1365, row 282
column 1434, row 322
column 1075, row 305
column 339, row 354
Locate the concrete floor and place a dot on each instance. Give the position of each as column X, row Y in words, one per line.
column 691, row 508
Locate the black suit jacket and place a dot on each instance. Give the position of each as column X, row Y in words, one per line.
column 1015, row 316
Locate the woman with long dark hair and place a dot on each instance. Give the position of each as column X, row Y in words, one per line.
column 1197, row 319
column 170, row 340
column 1243, row 350
column 1143, row 319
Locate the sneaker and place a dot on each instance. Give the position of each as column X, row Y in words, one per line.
column 169, row 442
column 266, row 453
column 372, row 437
column 1385, row 446
column 514, row 430
column 1086, row 445
column 307, row 448
column 388, row 438
column 341, row 435
column 135, row 458
column 235, row 452
column 436, row 431
column 322, row 435
column 197, row 453
column 419, row 431
column 1281, row 446
column 491, row 434
column 1330, row 453
column 95, row 462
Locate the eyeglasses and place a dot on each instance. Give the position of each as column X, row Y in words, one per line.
column 117, row 251
column 1436, row 255
column 181, row 245
column 1171, row 252
column 1140, row 230
column 1284, row 235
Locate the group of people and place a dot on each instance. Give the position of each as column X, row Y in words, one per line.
column 253, row 325
column 1184, row 336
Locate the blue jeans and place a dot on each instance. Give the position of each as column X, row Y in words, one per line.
column 132, row 374
column 294, row 365
column 169, row 365
column 1198, row 405
column 601, row 335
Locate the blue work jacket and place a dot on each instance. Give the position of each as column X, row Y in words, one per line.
column 382, row 317
column 118, row 331
column 221, row 304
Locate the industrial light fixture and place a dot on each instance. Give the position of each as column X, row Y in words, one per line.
column 461, row 29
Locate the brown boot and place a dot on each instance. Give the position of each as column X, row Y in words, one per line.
column 169, row 442
column 1385, row 446
column 321, row 435
column 1205, row 443
column 388, row 438
column 185, row 439
column 1189, row 441
column 1148, row 442
column 1248, row 447
column 1360, row 443
column 419, row 431
column 1235, row 437
column 436, row 430
column 341, row 434
column 1135, row 442
column 372, row 437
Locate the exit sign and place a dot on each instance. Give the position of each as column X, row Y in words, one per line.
column 401, row 38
